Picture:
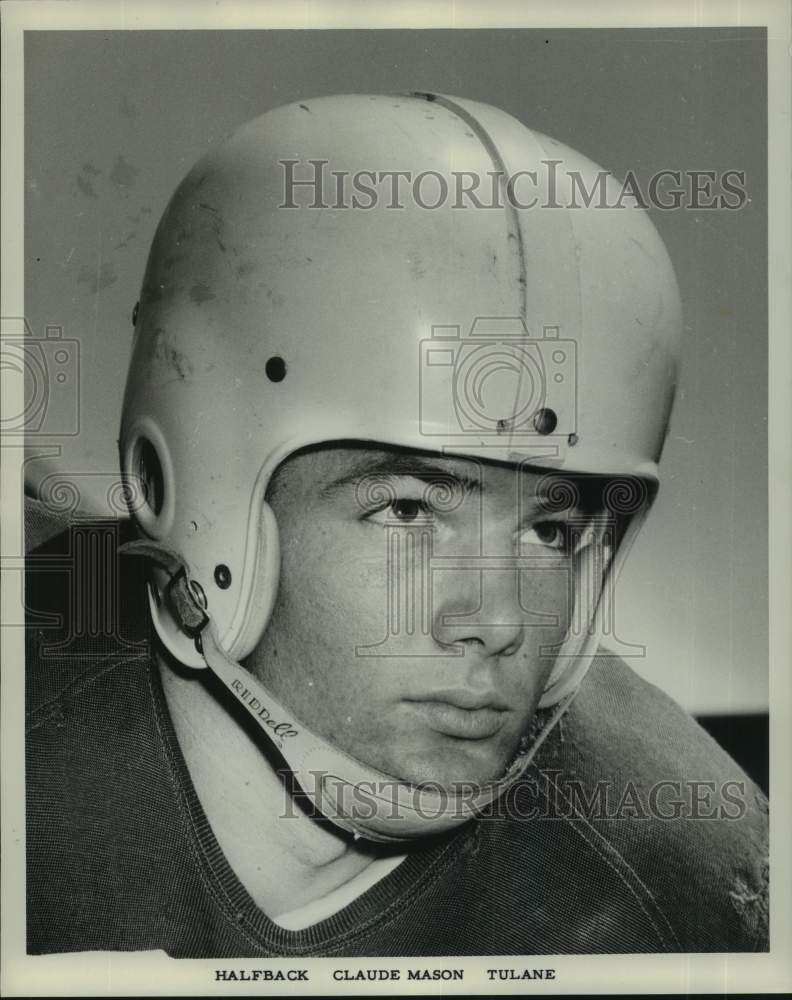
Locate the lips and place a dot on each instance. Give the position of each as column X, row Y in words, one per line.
column 468, row 715
column 464, row 697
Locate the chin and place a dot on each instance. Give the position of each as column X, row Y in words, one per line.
column 462, row 763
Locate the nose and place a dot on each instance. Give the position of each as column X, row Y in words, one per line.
column 479, row 608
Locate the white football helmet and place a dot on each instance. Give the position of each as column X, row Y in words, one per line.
column 275, row 315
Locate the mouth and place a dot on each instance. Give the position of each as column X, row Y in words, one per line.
column 464, row 715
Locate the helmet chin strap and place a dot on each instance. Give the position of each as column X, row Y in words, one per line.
column 356, row 797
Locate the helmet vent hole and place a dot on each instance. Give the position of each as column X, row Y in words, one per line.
column 222, row 576
column 275, row 369
column 545, row 421
column 149, row 472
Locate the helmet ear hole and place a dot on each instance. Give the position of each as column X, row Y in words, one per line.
column 148, row 471
column 148, row 467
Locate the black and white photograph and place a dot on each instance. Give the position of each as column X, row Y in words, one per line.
column 396, row 499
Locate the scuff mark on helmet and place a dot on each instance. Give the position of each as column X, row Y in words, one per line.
column 125, row 241
column 217, row 225
column 170, row 356
column 643, row 249
column 417, row 265
column 179, row 363
column 145, row 210
column 275, row 298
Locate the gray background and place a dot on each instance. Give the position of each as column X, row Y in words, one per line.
column 114, row 120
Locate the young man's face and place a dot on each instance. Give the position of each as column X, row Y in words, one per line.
column 405, row 632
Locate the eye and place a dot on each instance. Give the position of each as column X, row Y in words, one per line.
column 406, row 509
column 550, row 534
column 403, row 510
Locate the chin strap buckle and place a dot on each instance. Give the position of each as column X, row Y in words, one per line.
column 184, row 597
column 185, row 604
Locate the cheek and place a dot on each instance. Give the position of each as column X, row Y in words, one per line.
column 331, row 600
column 546, row 603
column 333, row 587
column 546, row 599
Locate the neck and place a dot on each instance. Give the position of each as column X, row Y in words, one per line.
column 283, row 856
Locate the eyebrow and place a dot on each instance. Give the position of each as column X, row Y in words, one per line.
column 414, row 466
